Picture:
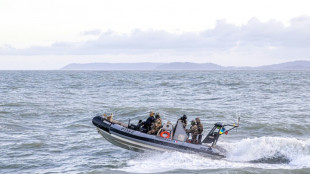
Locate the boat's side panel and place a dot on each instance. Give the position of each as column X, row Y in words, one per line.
column 103, row 127
column 127, row 143
column 118, row 142
column 159, row 143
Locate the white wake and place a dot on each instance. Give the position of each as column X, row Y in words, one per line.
column 253, row 153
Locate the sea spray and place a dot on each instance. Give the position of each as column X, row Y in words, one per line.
column 251, row 149
column 240, row 154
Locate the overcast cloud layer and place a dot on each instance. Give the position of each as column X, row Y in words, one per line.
column 255, row 39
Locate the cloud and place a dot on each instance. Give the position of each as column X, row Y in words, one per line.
column 92, row 32
column 271, row 38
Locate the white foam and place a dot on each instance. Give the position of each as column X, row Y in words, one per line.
column 239, row 155
column 267, row 147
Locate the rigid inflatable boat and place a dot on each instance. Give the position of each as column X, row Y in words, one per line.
column 168, row 138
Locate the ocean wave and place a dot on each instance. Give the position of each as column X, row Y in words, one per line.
column 263, row 152
column 253, row 149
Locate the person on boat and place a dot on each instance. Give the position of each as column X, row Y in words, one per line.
column 194, row 131
column 200, row 129
column 156, row 125
column 199, row 125
column 183, row 120
column 148, row 123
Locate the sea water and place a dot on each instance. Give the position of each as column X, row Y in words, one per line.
column 45, row 119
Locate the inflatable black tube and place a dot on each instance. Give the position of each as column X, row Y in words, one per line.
column 99, row 122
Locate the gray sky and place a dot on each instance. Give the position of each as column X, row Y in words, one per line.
column 50, row 34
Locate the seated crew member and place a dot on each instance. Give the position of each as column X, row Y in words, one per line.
column 200, row 129
column 139, row 125
column 194, row 131
column 156, row 125
column 148, row 123
column 183, row 120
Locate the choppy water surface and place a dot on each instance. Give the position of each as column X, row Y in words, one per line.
column 45, row 120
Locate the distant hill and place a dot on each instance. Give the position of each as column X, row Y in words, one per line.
column 112, row 66
column 295, row 65
column 189, row 66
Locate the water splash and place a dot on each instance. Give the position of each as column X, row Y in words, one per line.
column 245, row 153
column 256, row 149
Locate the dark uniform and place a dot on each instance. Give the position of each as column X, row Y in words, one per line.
column 156, row 125
column 194, row 131
column 149, row 121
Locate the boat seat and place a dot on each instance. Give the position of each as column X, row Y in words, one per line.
column 166, row 127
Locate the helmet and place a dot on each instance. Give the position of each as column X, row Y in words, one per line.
column 197, row 120
column 184, row 117
column 193, row 122
column 152, row 114
column 157, row 115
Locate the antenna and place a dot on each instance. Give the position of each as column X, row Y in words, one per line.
column 238, row 124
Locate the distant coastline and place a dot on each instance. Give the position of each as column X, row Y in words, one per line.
column 186, row 66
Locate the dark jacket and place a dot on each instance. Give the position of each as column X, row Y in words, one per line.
column 148, row 122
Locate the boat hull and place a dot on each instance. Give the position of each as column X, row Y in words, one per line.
column 139, row 141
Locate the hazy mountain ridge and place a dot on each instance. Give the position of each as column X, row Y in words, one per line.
column 294, row 65
column 112, row 66
column 189, row 66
